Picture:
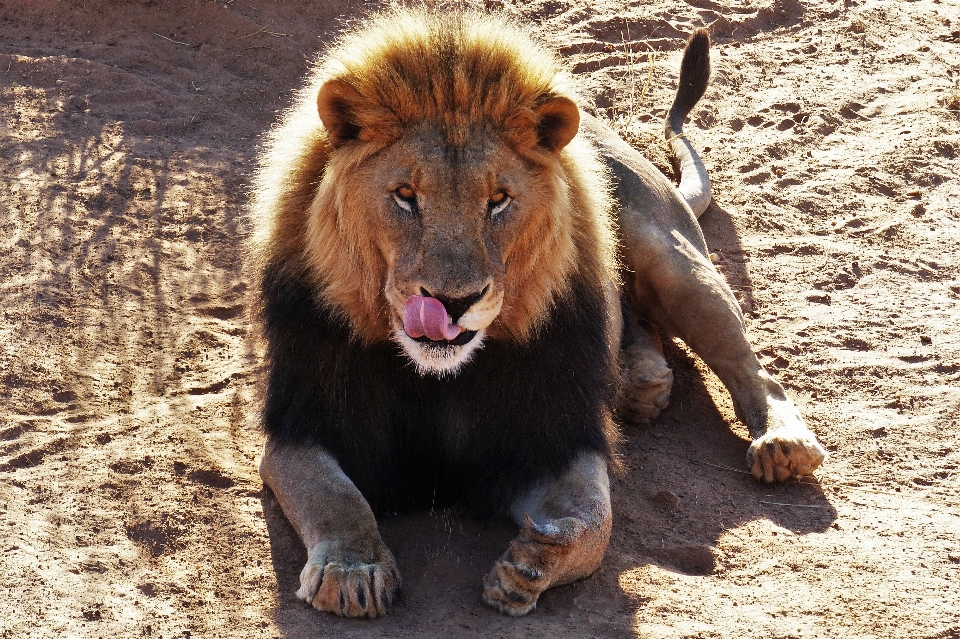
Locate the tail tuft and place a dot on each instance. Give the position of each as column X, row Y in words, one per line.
column 694, row 77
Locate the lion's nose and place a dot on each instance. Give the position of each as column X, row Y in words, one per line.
column 457, row 306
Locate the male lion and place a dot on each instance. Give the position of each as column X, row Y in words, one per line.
column 440, row 294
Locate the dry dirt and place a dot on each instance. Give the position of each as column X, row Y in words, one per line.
column 130, row 505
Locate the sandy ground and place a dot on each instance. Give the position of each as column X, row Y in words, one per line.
column 129, row 500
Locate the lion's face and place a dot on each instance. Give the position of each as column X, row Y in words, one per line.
column 450, row 217
column 448, row 221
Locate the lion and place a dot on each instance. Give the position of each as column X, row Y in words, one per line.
column 458, row 271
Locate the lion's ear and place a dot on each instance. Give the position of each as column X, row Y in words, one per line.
column 337, row 102
column 558, row 121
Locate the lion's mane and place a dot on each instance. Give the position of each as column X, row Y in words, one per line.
column 540, row 389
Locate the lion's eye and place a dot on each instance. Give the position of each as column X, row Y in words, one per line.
column 406, row 198
column 498, row 203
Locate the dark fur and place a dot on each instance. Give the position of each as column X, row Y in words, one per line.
column 694, row 77
column 511, row 415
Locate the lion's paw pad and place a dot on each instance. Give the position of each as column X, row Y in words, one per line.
column 785, row 453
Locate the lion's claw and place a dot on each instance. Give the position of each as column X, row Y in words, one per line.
column 332, row 582
column 785, row 453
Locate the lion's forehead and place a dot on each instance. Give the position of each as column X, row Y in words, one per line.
column 434, row 144
column 429, row 160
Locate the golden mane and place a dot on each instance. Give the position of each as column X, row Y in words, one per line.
column 449, row 69
column 455, row 71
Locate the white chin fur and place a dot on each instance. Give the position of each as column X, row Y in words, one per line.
column 440, row 361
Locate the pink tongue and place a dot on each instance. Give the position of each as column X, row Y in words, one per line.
column 427, row 316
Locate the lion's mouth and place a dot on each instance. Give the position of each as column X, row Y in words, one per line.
column 426, row 319
column 459, row 340
column 434, row 341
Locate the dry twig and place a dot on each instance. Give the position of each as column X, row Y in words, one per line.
column 732, row 470
column 186, row 44
column 780, row 503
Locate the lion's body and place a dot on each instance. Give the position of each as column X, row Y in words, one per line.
column 440, row 300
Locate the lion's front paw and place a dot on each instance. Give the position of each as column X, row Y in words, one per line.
column 785, row 453
column 517, row 578
column 512, row 587
column 349, row 583
column 543, row 555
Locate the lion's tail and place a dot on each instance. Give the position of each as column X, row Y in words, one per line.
column 694, row 76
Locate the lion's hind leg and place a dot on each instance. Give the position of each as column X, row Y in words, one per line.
column 565, row 527
column 645, row 378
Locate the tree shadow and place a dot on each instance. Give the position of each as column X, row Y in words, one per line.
column 108, row 253
column 730, row 26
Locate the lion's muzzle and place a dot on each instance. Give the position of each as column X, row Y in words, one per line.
column 440, row 333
